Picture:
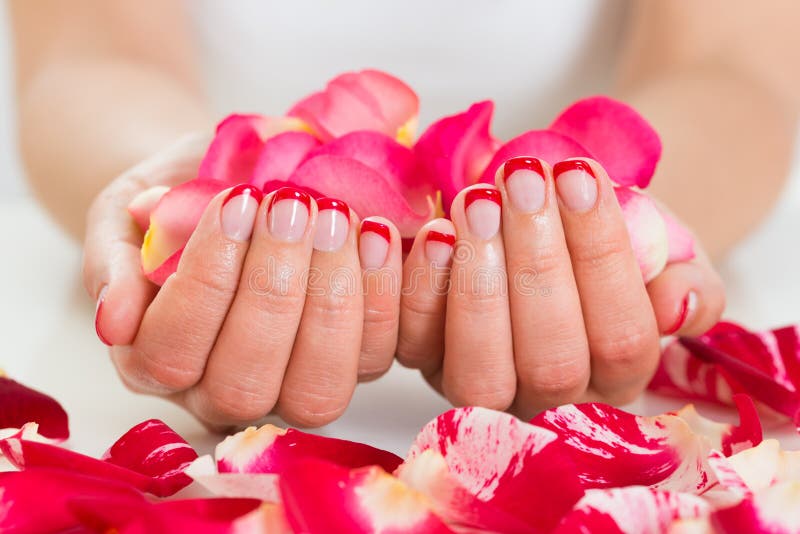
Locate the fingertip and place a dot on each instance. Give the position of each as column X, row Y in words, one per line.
column 687, row 298
column 120, row 308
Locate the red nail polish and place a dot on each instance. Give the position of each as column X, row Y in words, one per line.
column 522, row 163
column 572, row 165
column 482, row 194
column 245, row 189
column 376, row 227
column 290, row 193
column 447, row 239
column 687, row 305
column 98, row 310
column 333, row 204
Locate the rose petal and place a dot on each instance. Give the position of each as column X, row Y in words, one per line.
column 37, row 500
column 647, row 231
column 496, row 458
column 156, row 470
column 318, row 495
column 679, row 238
column 453, row 152
column 155, row 450
column 21, row 404
column 270, row 449
column 364, row 189
column 237, row 145
column 262, row 486
column 631, row 510
column 616, row 135
column 30, row 432
column 546, row 145
column 613, row 448
column 143, row 205
column 774, row 510
column 753, row 470
column 281, row 155
column 728, row 438
column 172, row 222
column 366, row 100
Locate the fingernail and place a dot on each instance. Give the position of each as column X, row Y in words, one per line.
column 482, row 207
column 524, row 179
column 239, row 211
column 688, row 306
column 101, row 297
column 333, row 223
column 576, row 184
column 373, row 244
column 439, row 248
column 288, row 214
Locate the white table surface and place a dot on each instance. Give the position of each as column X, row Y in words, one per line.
column 48, row 339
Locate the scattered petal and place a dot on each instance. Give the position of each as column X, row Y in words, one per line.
column 318, row 494
column 454, row 151
column 773, row 510
column 262, row 486
column 270, row 449
column 21, row 405
column 616, row 135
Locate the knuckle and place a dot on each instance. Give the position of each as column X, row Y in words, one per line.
column 311, row 410
column 168, row 373
column 557, row 383
column 600, row 250
column 241, row 402
column 627, row 345
column 495, row 396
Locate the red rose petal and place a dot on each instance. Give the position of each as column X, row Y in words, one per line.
column 21, row 404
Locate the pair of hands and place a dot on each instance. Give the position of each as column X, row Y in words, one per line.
column 529, row 297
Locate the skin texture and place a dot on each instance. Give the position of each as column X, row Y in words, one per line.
column 201, row 340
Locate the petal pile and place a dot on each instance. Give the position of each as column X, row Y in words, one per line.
column 354, row 140
column 728, row 359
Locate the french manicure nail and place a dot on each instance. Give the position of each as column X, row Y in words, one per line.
column 373, row 244
column 482, row 207
column 239, row 211
column 439, row 247
column 101, row 297
column 688, row 306
column 524, row 179
column 333, row 224
column 288, row 214
column 576, row 184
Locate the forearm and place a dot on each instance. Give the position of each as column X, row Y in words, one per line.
column 82, row 122
column 727, row 147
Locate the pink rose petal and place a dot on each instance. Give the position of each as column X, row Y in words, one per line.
column 616, row 135
column 172, row 223
column 281, row 155
column 366, row 100
column 775, row 510
column 261, row 486
column 679, row 238
column 270, row 449
column 364, row 189
column 322, row 497
column 143, row 205
column 631, row 510
column 37, row 500
column 20, row 404
column 453, row 151
column 646, row 229
column 496, row 458
column 157, row 470
column 546, row 145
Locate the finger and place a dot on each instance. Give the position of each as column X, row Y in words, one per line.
column 688, row 298
column 245, row 369
column 111, row 261
column 478, row 364
column 620, row 325
column 323, row 367
column 551, row 352
column 380, row 252
column 181, row 325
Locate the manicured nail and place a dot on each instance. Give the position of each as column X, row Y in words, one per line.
column 239, row 211
column 482, row 207
column 333, row 223
column 288, row 214
column 439, row 248
column 576, row 184
column 101, row 297
column 373, row 244
column 524, row 179
column 688, row 306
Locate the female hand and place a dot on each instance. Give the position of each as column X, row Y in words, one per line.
column 544, row 303
column 278, row 304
